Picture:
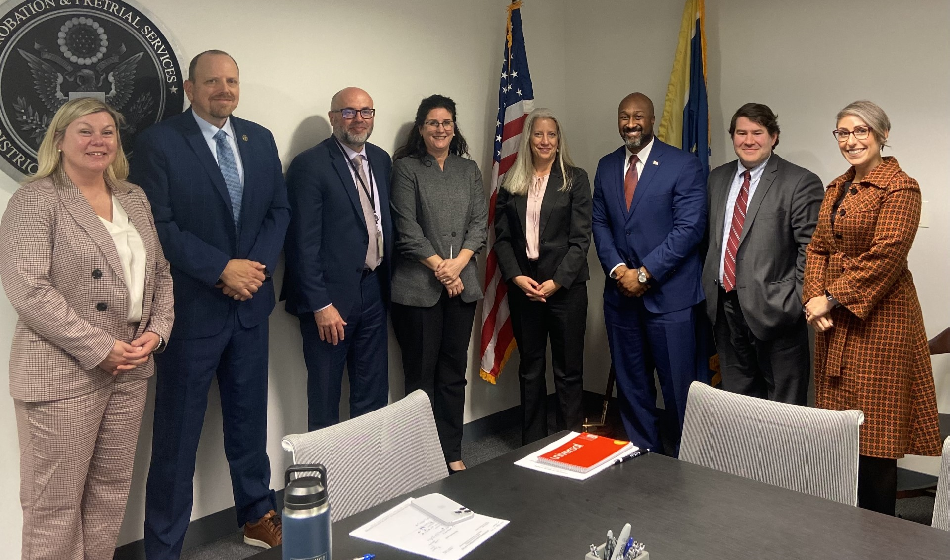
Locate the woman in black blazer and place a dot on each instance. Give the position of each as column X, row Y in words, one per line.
column 542, row 234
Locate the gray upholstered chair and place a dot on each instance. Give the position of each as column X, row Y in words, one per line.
column 376, row 456
column 805, row 449
column 942, row 503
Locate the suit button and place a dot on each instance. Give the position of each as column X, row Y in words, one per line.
column 854, row 190
column 837, row 236
column 101, row 306
column 453, row 234
column 97, row 274
column 359, row 270
column 841, row 212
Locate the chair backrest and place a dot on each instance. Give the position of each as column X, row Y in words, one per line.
column 942, row 503
column 805, row 449
column 376, row 456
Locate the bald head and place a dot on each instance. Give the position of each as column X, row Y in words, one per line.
column 635, row 121
column 353, row 131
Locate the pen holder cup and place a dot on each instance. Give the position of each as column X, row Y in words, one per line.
column 600, row 551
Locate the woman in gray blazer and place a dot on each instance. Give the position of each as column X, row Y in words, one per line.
column 440, row 218
column 82, row 265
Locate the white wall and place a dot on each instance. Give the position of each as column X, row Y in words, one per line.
column 584, row 57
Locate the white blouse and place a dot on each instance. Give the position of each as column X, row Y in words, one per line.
column 128, row 243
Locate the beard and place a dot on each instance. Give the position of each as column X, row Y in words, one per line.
column 351, row 139
column 634, row 143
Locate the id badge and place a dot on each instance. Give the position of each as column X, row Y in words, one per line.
column 379, row 243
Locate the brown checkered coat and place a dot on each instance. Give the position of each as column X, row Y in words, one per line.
column 61, row 272
column 875, row 358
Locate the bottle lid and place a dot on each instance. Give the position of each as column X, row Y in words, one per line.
column 305, row 493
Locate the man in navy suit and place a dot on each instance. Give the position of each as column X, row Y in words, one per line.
column 649, row 217
column 338, row 253
column 220, row 206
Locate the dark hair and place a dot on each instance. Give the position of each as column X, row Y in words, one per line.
column 759, row 114
column 415, row 145
column 194, row 62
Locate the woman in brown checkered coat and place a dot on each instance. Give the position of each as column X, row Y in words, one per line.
column 82, row 265
column 870, row 348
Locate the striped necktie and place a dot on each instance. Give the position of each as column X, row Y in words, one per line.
column 735, row 232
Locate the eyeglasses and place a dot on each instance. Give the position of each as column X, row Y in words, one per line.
column 349, row 113
column 447, row 125
column 860, row 133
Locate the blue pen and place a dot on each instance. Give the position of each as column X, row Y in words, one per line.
column 365, row 557
column 627, row 546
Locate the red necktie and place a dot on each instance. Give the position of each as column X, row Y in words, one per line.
column 732, row 246
column 630, row 181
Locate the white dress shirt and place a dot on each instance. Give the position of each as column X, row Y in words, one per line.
column 756, row 172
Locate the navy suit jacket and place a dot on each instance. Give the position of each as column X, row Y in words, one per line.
column 327, row 242
column 661, row 231
column 174, row 165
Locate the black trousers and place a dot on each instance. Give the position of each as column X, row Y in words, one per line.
column 777, row 369
column 877, row 484
column 564, row 318
column 434, row 342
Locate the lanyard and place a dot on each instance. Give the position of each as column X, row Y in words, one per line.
column 370, row 191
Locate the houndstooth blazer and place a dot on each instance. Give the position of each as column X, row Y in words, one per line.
column 62, row 273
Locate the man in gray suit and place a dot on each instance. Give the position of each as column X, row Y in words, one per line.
column 762, row 212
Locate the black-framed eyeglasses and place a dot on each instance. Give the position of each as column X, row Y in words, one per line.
column 349, row 113
column 860, row 133
column 447, row 125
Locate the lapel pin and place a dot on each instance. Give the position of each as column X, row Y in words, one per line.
column 656, row 162
column 244, row 137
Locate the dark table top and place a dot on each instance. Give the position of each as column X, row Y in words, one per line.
column 679, row 510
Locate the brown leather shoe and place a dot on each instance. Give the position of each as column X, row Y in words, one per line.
column 265, row 532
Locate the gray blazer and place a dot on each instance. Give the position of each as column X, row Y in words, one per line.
column 435, row 212
column 770, row 264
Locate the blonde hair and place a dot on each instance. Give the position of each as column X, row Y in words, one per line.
column 873, row 115
column 49, row 158
column 520, row 176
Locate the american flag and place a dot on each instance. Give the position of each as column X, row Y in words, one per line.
column 515, row 101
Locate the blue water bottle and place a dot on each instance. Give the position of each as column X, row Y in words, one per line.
column 306, row 515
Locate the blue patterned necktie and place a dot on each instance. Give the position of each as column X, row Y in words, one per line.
column 230, row 171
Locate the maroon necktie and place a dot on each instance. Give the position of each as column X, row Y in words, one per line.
column 732, row 245
column 630, row 181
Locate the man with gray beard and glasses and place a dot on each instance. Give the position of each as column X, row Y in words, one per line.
column 338, row 253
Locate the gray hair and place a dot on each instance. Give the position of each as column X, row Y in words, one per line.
column 873, row 115
column 519, row 177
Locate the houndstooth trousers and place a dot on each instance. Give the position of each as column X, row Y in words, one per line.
column 76, row 457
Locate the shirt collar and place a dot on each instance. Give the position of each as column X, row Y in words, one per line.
column 208, row 130
column 644, row 153
column 755, row 172
column 351, row 153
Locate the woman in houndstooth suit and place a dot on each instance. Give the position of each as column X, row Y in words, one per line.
column 82, row 265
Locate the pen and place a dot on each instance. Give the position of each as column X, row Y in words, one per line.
column 636, row 453
column 365, row 557
column 621, row 540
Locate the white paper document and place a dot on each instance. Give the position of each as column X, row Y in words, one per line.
column 410, row 529
column 531, row 461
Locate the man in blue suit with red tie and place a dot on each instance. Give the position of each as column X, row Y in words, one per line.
column 649, row 218
column 220, row 205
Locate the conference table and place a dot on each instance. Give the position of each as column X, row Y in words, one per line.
column 679, row 510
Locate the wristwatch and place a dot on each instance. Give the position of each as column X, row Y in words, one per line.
column 831, row 299
column 642, row 275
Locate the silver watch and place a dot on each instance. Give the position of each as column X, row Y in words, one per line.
column 642, row 275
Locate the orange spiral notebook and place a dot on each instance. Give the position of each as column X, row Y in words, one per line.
column 586, row 452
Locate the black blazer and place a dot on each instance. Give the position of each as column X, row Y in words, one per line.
column 564, row 231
